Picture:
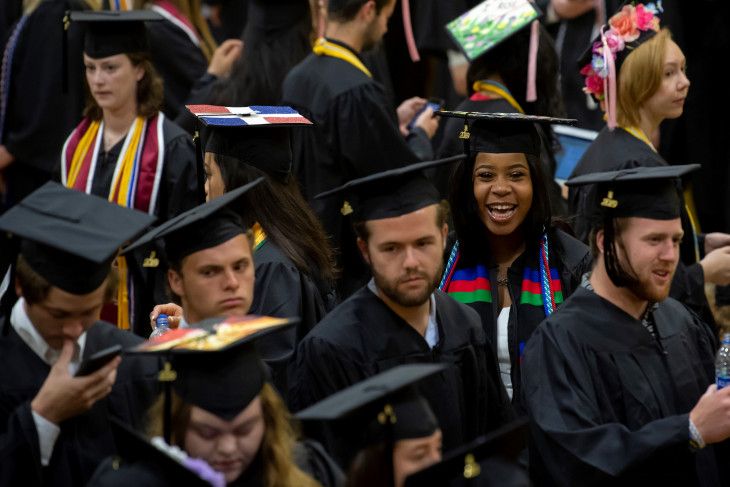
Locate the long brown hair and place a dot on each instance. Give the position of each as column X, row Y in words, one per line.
column 277, row 446
column 149, row 90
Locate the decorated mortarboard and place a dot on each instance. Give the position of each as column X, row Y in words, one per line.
column 488, row 24
column 645, row 192
column 484, row 26
column 489, row 460
column 502, row 133
column 391, row 193
column 137, row 459
column 383, row 408
column 205, row 226
column 255, row 135
column 633, row 24
column 115, row 32
column 70, row 238
column 215, row 364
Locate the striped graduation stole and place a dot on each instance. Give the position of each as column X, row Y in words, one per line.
column 135, row 183
column 472, row 285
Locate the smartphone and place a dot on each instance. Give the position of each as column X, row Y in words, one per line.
column 98, row 360
column 433, row 102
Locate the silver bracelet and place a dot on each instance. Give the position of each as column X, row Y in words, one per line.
column 695, row 436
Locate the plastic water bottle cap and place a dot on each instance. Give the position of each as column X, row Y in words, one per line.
column 162, row 320
column 726, row 339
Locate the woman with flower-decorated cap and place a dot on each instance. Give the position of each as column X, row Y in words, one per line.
column 638, row 74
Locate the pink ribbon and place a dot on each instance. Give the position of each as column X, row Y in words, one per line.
column 532, row 61
column 610, row 80
column 408, row 28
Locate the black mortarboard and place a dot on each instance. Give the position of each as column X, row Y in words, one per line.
column 275, row 16
column 255, row 135
column 629, row 47
column 501, row 133
column 207, row 225
column 139, row 457
column 490, row 460
column 115, row 32
column 645, row 192
column 383, row 408
column 70, row 238
column 391, row 193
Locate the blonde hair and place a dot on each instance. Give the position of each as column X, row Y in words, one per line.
column 191, row 10
column 640, row 77
column 277, row 446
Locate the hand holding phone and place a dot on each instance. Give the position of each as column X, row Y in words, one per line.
column 98, row 360
column 433, row 103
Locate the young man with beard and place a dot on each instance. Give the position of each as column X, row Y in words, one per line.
column 400, row 317
column 618, row 380
column 357, row 132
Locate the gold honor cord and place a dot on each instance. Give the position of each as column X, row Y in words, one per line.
column 323, row 47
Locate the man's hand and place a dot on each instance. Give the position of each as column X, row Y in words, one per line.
column 174, row 314
column 711, row 414
column 428, row 122
column 716, row 266
column 407, row 110
column 715, row 240
column 64, row 396
column 224, row 57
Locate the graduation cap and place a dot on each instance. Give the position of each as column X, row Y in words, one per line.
column 255, row 135
column 643, row 192
column 205, row 226
column 390, row 193
column 136, row 452
column 489, row 460
column 115, row 32
column 276, row 16
column 641, row 30
column 214, row 364
column 383, row 408
column 502, row 133
column 70, row 238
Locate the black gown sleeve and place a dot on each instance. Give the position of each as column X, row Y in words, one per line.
column 574, row 445
column 20, row 456
column 312, row 458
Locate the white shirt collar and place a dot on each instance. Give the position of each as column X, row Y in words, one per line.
column 24, row 328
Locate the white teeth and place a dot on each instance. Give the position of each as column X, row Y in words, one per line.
column 501, row 207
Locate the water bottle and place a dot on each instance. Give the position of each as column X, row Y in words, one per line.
column 722, row 363
column 162, row 326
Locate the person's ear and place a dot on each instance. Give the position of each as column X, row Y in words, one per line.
column 175, row 280
column 599, row 240
column 363, row 246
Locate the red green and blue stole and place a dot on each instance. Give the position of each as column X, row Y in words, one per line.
column 135, row 183
column 540, row 287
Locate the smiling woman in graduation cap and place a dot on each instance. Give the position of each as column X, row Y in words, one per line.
column 511, row 263
column 124, row 149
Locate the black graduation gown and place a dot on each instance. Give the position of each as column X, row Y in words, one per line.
column 363, row 337
column 609, row 402
column 618, row 149
column 178, row 193
column 308, row 455
column 178, row 61
column 573, row 260
column 39, row 115
column 280, row 290
column 86, row 439
column 356, row 134
column 452, row 145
